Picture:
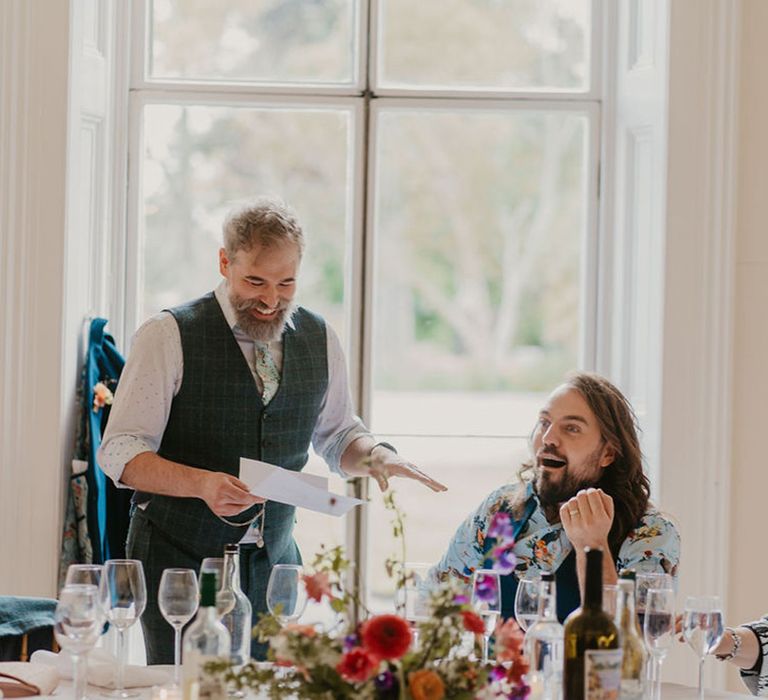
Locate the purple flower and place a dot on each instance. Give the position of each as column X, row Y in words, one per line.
column 486, row 588
column 350, row 642
column 504, row 560
column 521, row 692
column 498, row 673
column 384, row 681
column 460, row 599
column 501, row 527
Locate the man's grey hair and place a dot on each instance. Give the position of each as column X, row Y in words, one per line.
column 263, row 221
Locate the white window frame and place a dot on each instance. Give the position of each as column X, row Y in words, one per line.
column 367, row 105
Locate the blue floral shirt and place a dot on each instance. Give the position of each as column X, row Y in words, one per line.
column 654, row 546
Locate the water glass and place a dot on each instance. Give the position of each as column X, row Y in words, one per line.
column 527, row 602
column 486, row 599
column 702, row 629
column 412, row 595
column 78, row 622
column 658, row 630
column 610, row 598
column 286, row 592
column 177, row 598
column 126, row 598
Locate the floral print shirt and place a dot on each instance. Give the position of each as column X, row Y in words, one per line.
column 756, row 679
column 653, row 546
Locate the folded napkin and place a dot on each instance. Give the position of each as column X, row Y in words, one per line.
column 19, row 678
column 102, row 669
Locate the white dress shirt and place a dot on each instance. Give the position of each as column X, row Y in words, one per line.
column 153, row 374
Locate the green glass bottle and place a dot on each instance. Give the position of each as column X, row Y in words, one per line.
column 593, row 654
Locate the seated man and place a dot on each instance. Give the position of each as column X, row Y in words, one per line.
column 583, row 487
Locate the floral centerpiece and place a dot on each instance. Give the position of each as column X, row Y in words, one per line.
column 376, row 658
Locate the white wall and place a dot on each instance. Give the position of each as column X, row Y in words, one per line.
column 749, row 476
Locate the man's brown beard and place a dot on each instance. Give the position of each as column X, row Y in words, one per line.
column 256, row 328
column 552, row 495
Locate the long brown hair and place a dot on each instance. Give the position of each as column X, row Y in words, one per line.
column 624, row 480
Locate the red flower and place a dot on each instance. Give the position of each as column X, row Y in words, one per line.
column 472, row 622
column 386, row 636
column 357, row 665
column 317, row 585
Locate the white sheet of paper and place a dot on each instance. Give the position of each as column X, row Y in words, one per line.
column 294, row 488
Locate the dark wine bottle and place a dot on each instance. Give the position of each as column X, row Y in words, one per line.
column 592, row 651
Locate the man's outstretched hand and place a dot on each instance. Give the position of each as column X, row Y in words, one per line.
column 386, row 464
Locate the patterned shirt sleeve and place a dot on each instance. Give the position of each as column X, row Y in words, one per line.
column 653, row 547
column 465, row 550
column 756, row 679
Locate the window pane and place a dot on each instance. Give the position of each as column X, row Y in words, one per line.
column 199, row 161
column 480, row 225
column 485, row 44
column 470, row 467
column 270, row 41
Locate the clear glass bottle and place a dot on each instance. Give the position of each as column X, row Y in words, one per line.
column 592, row 668
column 234, row 607
column 544, row 644
column 206, row 639
column 634, row 656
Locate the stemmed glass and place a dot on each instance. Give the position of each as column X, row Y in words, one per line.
column 126, row 598
column 85, row 573
column 177, row 598
column 527, row 602
column 77, row 625
column 486, row 599
column 702, row 629
column 643, row 583
column 412, row 599
column 659, row 630
column 286, row 593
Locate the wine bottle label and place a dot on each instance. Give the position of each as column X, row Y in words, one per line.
column 602, row 674
column 198, row 685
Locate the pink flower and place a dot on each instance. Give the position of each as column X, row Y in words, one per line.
column 318, row 585
column 509, row 640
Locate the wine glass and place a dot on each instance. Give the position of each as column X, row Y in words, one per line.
column 527, row 602
column 78, row 620
column 702, row 629
column 412, row 596
column 177, row 598
column 286, row 593
column 659, row 630
column 486, row 599
column 84, row 573
column 610, row 598
column 643, row 583
column 126, row 598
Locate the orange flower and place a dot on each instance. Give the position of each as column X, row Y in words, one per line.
column 317, row 585
column 305, row 630
column 509, row 640
column 102, row 396
column 426, row 685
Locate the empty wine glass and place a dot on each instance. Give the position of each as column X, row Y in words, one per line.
column 286, row 593
column 659, row 630
column 412, row 596
column 486, row 599
column 527, row 602
column 702, row 629
column 177, row 598
column 610, row 598
column 78, row 621
column 126, row 598
column 84, row 573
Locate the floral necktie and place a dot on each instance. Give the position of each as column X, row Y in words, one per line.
column 267, row 371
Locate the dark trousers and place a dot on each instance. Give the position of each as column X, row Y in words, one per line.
column 157, row 552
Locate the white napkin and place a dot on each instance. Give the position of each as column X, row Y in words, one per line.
column 102, row 669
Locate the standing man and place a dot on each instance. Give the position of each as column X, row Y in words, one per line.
column 583, row 487
column 240, row 372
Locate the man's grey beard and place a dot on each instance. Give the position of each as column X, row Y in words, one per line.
column 552, row 494
column 261, row 331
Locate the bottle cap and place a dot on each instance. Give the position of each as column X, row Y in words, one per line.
column 628, row 574
column 231, row 549
column 547, row 576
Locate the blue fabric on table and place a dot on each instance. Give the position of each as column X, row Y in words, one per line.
column 20, row 614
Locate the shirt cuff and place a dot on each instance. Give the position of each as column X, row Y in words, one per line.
column 115, row 454
column 335, row 449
